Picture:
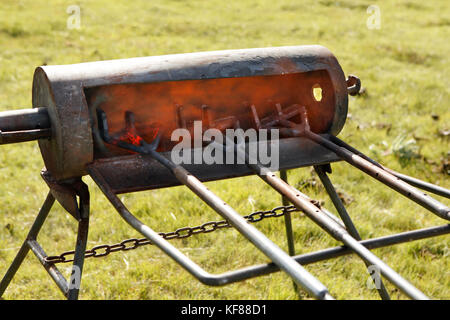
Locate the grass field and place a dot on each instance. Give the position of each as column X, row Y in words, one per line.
column 402, row 121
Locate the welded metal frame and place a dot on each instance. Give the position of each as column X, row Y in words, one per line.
column 259, row 270
column 203, row 276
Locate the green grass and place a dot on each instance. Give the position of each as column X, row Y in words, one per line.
column 404, row 67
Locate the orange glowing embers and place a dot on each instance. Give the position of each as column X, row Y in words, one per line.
column 130, row 135
column 157, row 106
column 131, row 138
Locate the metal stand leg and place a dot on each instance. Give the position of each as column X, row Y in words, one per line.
column 34, row 231
column 80, row 247
column 288, row 224
column 322, row 173
column 69, row 289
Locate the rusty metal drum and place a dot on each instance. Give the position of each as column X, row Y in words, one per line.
column 152, row 86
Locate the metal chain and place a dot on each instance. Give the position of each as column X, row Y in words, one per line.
column 181, row 233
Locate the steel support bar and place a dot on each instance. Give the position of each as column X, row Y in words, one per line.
column 80, row 246
column 288, row 223
column 24, row 119
column 340, row 208
column 320, row 170
column 383, row 176
column 23, row 136
column 279, row 257
column 51, row 269
column 324, row 210
column 23, row 251
column 412, row 181
column 287, row 219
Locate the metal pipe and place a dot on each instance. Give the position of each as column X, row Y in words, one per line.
column 23, row 136
column 287, row 219
column 24, row 125
column 288, row 224
column 329, row 188
column 51, row 269
column 324, row 210
column 80, row 247
column 412, row 181
column 24, row 119
column 382, row 175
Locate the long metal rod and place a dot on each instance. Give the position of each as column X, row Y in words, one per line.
column 329, row 188
column 383, row 176
column 317, row 289
column 51, row 269
column 23, row 251
column 382, row 291
column 24, row 119
column 324, row 210
column 278, row 256
column 412, row 181
column 25, row 135
column 329, row 225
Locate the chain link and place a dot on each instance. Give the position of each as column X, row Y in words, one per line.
column 181, row 233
